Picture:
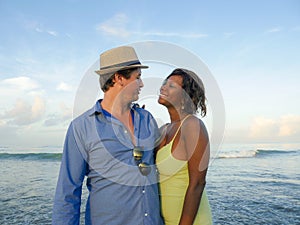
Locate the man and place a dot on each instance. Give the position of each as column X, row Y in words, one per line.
column 112, row 144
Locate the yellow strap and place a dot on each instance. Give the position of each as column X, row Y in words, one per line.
column 180, row 126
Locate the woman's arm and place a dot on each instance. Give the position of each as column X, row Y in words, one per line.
column 196, row 142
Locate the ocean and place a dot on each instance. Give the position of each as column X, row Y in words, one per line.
column 246, row 184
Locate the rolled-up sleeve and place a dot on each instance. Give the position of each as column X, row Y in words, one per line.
column 67, row 200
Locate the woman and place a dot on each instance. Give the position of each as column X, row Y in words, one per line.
column 183, row 151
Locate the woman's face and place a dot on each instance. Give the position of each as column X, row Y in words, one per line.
column 171, row 92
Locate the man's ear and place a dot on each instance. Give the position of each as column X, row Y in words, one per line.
column 118, row 78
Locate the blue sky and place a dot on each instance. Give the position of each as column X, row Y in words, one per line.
column 252, row 48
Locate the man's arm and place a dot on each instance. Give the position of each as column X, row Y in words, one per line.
column 67, row 201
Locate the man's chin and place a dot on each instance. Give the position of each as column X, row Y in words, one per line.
column 134, row 98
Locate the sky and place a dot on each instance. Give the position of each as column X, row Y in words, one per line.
column 251, row 49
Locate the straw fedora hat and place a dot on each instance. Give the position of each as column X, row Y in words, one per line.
column 117, row 59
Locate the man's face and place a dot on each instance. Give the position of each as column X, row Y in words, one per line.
column 132, row 86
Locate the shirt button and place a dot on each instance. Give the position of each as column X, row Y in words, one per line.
column 125, row 131
column 143, row 191
column 146, row 214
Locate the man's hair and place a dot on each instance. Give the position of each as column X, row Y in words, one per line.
column 110, row 82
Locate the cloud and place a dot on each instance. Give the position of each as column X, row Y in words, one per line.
column 8, row 133
column 19, row 83
column 24, row 107
column 39, row 30
column 64, row 115
column 25, row 113
column 172, row 34
column 289, row 125
column 263, row 128
column 22, row 102
column 62, row 86
column 37, row 109
column 116, row 26
column 39, row 27
column 53, row 33
column 286, row 127
column 13, row 88
column 228, row 34
column 274, row 30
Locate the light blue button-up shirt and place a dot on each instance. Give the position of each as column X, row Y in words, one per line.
column 100, row 147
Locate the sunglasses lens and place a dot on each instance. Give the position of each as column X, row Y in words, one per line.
column 144, row 168
column 137, row 154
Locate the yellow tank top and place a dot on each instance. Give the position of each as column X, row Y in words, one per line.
column 173, row 183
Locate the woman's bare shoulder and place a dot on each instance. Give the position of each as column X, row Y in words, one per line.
column 193, row 124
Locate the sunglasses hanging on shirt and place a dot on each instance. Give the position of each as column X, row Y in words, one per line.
column 144, row 167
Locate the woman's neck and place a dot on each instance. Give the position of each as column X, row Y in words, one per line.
column 176, row 115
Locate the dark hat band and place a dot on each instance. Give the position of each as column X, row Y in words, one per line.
column 130, row 63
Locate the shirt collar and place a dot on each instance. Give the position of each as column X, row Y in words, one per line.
column 97, row 109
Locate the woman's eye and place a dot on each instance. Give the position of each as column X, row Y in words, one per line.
column 172, row 85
